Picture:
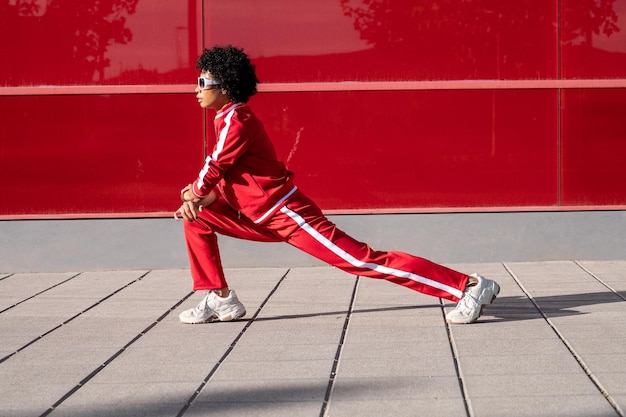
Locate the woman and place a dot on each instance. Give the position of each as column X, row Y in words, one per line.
column 244, row 191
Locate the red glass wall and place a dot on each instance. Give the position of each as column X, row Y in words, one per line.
column 377, row 106
column 404, row 149
column 96, row 153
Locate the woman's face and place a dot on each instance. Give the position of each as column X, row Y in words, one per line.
column 211, row 96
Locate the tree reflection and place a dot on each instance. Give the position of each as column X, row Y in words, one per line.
column 585, row 18
column 44, row 40
column 493, row 37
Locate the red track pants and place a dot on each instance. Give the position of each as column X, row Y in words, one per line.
column 301, row 223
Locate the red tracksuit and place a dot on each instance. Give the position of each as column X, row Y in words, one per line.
column 258, row 201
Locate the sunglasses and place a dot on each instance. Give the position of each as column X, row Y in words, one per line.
column 206, row 84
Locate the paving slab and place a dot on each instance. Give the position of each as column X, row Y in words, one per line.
column 315, row 342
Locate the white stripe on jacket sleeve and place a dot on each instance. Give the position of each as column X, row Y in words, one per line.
column 219, row 147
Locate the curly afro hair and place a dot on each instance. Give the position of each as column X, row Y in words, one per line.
column 232, row 69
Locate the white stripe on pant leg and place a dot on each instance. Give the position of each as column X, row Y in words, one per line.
column 281, row 201
column 360, row 264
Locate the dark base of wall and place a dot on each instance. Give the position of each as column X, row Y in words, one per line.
column 80, row 245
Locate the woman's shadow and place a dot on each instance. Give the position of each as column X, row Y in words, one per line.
column 524, row 308
column 512, row 308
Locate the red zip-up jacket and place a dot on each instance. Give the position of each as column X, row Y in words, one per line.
column 244, row 166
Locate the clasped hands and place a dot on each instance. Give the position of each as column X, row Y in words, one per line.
column 193, row 205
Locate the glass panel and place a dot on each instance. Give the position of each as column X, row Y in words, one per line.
column 107, row 42
column 594, row 147
column 331, row 40
column 593, row 39
column 98, row 154
column 367, row 150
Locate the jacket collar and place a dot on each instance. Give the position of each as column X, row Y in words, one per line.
column 227, row 109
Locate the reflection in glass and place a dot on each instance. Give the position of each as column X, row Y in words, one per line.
column 56, row 42
column 391, row 39
column 36, row 8
column 165, row 44
column 593, row 45
column 585, row 19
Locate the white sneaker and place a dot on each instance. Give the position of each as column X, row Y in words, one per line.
column 212, row 308
column 471, row 305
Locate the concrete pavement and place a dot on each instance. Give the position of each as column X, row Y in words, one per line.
column 315, row 342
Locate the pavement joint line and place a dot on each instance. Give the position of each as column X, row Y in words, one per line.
column 206, row 379
column 40, row 292
column 457, row 366
column 97, row 303
column 569, row 347
column 9, row 275
column 115, row 355
column 333, row 371
column 597, row 278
